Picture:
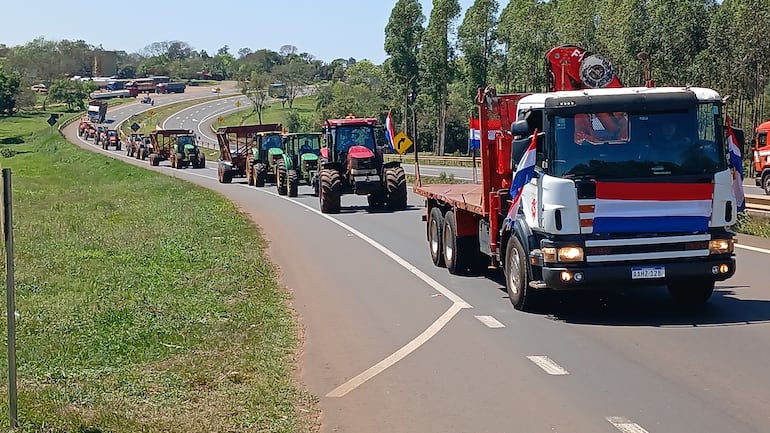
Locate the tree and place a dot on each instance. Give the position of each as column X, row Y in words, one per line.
column 71, row 92
column 294, row 77
column 9, row 87
column 436, row 56
column 256, row 90
column 477, row 36
column 525, row 30
column 402, row 43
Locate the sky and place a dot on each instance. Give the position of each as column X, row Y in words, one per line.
column 327, row 29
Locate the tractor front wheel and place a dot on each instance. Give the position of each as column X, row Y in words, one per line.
column 293, row 183
column 331, row 191
column 395, row 182
column 260, row 173
column 281, row 177
column 177, row 161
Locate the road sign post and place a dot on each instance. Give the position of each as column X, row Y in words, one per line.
column 10, row 291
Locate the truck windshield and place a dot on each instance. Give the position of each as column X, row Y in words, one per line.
column 348, row 136
column 627, row 145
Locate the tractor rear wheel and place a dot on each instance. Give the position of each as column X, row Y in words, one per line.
column 395, row 182
column 331, row 190
column 293, row 183
column 260, row 173
column 281, row 177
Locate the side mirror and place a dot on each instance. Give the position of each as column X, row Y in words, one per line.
column 520, row 127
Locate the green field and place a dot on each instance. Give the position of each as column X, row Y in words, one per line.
column 274, row 113
column 146, row 304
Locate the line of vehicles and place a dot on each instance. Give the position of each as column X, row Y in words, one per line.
column 343, row 159
column 131, row 88
column 581, row 187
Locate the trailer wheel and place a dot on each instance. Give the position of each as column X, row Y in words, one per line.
column 293, row 182
column 331, row 190
column 516, row 275
column 766, row 183
column 259, row 174
column 154, row 160
column 281, row 177
column 435, row 224
column 691, row 293
column 395, row 182
column 459, row 252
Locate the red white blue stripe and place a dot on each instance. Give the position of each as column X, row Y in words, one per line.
column 389, row 134
column 524, row 172
column 736, row 162
column 623, row 207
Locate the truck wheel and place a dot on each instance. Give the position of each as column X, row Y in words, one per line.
column 331, row 190
column 435, row 224
column 766, row 184
column 293, row 182
column 691, row 293
column 395, row 182
column 281, row 178
column 459, row 252
column 259, row 174
column 516, row 275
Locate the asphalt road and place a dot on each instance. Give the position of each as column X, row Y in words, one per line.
column 392, row 343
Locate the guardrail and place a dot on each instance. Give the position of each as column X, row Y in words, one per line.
column 759, row 203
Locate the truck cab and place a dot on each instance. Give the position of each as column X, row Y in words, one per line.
column 761, row 149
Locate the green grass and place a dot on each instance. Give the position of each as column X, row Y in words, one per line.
column 273, row 113
column 755, row 226
column 146, row 304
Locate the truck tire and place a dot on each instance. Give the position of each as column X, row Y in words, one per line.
column 331, row 190
column 395, row 183
column 435, row 224
column 293, row 183
column 281, row 177
column 766, row 183
column 517, row 275
column 459, row 252
column 260, row 174
column 691, row 293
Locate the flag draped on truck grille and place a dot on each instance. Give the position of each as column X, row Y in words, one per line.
column 623, row 207
column 736, row 163
column 523, row 174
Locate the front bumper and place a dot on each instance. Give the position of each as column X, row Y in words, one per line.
column 616, row 275
column 365, row 185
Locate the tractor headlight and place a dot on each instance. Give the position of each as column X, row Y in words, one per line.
column 721, row 246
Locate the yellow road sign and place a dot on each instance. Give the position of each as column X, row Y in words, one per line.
column 220, row 119
column 238, row 104
column 402, row 143
column 151, row 113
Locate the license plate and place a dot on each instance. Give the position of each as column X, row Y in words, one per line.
column 649, row 272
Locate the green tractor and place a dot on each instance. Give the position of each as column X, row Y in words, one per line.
column 187, row 153
column 268, row 152
column 301, row 154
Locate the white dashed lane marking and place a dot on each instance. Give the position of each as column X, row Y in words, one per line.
column 490, row 321
column 625, row 426
column 548, row 365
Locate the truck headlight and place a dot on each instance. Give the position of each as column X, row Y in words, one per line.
column 721, row 246
column 563, row 254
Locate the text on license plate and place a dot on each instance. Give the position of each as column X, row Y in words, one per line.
column 648, row 272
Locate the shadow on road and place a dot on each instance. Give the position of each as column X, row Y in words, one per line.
column 651, row 306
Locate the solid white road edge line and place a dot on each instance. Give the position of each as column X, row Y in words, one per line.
column 625, row 425
column 400, row 354
column 548, row 365
column 755, row 249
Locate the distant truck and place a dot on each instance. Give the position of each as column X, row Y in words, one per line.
column 97, row 110
column 109, row 94
column 170, row 87
column 761, row 149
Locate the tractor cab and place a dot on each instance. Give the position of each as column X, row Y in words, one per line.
column 185, row 144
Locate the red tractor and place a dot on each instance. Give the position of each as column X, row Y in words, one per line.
column 352, row 163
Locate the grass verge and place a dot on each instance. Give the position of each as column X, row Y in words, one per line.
column 146, row 304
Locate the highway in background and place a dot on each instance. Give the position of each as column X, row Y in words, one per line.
column 393, row 343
